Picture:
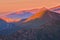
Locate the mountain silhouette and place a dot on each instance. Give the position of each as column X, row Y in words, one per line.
column 39, row 19
column 46, row 23
column 12, row 27
column 45, row 27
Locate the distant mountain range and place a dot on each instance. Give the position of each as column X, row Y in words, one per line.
column 56, row 9
column 46, row 21
column 25, row 14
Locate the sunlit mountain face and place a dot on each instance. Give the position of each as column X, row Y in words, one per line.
column 36, row 24
column 38, row 15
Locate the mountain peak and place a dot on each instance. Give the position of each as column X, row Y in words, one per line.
column 37, row 15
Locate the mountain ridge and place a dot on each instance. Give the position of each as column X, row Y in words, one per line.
column 37, row 15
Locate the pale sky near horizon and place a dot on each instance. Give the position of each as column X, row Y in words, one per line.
column 17, row 5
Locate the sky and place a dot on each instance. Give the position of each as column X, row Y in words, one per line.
column 18, row 5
